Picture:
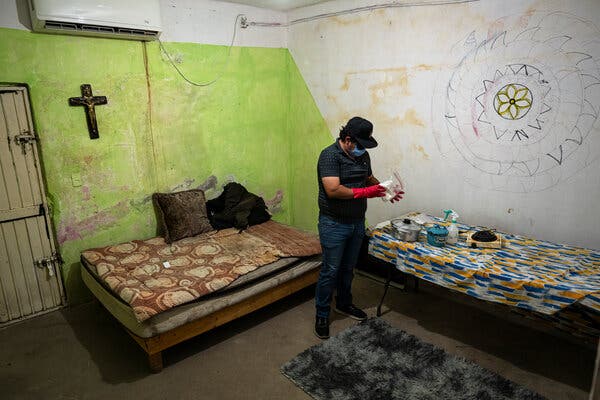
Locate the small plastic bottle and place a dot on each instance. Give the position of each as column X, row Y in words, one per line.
column 389, row 194
column 452, row 233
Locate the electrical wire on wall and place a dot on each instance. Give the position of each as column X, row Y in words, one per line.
column 395, row 4
column 235, row 24
column 244, row 23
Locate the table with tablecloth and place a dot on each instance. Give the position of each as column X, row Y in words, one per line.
column 555, row 282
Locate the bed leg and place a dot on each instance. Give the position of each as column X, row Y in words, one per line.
column 155, row 362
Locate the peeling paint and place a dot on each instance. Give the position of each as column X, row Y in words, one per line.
column 182, row 186
column 208, row 184
column 274, row 203
column 73, row 229
column 85, row 191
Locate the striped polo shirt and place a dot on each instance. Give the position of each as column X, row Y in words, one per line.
column 353, row 173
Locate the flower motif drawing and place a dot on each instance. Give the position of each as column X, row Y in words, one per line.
column 513, row 101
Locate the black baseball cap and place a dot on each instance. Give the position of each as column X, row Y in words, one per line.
column 361, row 130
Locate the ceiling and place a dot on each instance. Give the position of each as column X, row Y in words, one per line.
column 281, row 5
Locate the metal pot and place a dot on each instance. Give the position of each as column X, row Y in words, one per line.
column 406, row 230
column 436, row 235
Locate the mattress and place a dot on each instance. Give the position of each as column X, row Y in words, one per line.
column 248, row 285
column 152, row 276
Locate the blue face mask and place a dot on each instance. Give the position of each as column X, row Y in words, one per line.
column 356, row 152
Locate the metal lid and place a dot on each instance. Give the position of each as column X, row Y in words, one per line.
column 414, row 227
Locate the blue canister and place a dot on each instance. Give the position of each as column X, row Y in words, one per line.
column 436, row 235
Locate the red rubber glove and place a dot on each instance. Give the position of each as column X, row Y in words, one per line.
column 369, row 192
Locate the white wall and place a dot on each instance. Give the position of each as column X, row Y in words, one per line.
column 10, row 18
column 394, row 66
column 211, row 22
column 196, row 21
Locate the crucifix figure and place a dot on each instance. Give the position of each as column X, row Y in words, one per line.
column 89, row 101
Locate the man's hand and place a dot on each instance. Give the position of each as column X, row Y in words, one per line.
column 369, row 192
column 397, row 196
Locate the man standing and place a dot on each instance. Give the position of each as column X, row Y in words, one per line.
column 345, row 183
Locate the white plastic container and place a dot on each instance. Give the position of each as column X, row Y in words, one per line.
column 389, row 194
column 452, row 237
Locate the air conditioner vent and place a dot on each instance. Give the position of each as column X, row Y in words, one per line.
column 99, row 29
column 60, row 26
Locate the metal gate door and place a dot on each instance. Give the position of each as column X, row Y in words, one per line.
column 30, row 281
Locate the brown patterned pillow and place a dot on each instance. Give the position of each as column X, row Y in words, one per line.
column 181, row 214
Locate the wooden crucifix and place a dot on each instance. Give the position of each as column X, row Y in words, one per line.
column 89, row 101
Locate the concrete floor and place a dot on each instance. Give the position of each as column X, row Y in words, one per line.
column 82, row 352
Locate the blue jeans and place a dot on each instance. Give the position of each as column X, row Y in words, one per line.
column 340, row 244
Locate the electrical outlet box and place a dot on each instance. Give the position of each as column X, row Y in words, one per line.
column 76, row 179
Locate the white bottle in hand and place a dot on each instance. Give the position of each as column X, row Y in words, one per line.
column 389, row 194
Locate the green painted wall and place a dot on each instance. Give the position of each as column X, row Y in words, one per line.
column 258, row 125
column 309, row 135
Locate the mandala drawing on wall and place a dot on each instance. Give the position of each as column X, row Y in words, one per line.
column 518, row 110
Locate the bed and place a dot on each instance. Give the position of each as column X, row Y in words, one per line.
column 163, row 294
column 553, row 282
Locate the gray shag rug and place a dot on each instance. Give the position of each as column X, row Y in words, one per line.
column 373, row 360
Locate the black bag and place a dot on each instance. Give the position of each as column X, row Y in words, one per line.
column 237, row 208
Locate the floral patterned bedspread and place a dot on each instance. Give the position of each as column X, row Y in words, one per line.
column 153, row 276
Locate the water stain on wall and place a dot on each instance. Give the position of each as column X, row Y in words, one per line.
column 410, row 118
column 396, row 85
column 419, row 149
column 346, row 85
column 354, row 19
column 381, row 120
column 346, row 20
column 524, row 20
column 424, row 67
column 393, row 76
column 341, row 115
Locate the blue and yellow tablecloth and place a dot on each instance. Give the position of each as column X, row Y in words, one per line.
column 526, row 273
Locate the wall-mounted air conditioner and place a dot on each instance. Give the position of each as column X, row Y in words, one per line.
column 123, row 19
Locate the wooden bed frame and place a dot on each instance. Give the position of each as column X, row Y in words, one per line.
column 154, row 346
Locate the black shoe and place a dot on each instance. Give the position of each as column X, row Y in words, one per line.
column 322, row 328
column 352, row 312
